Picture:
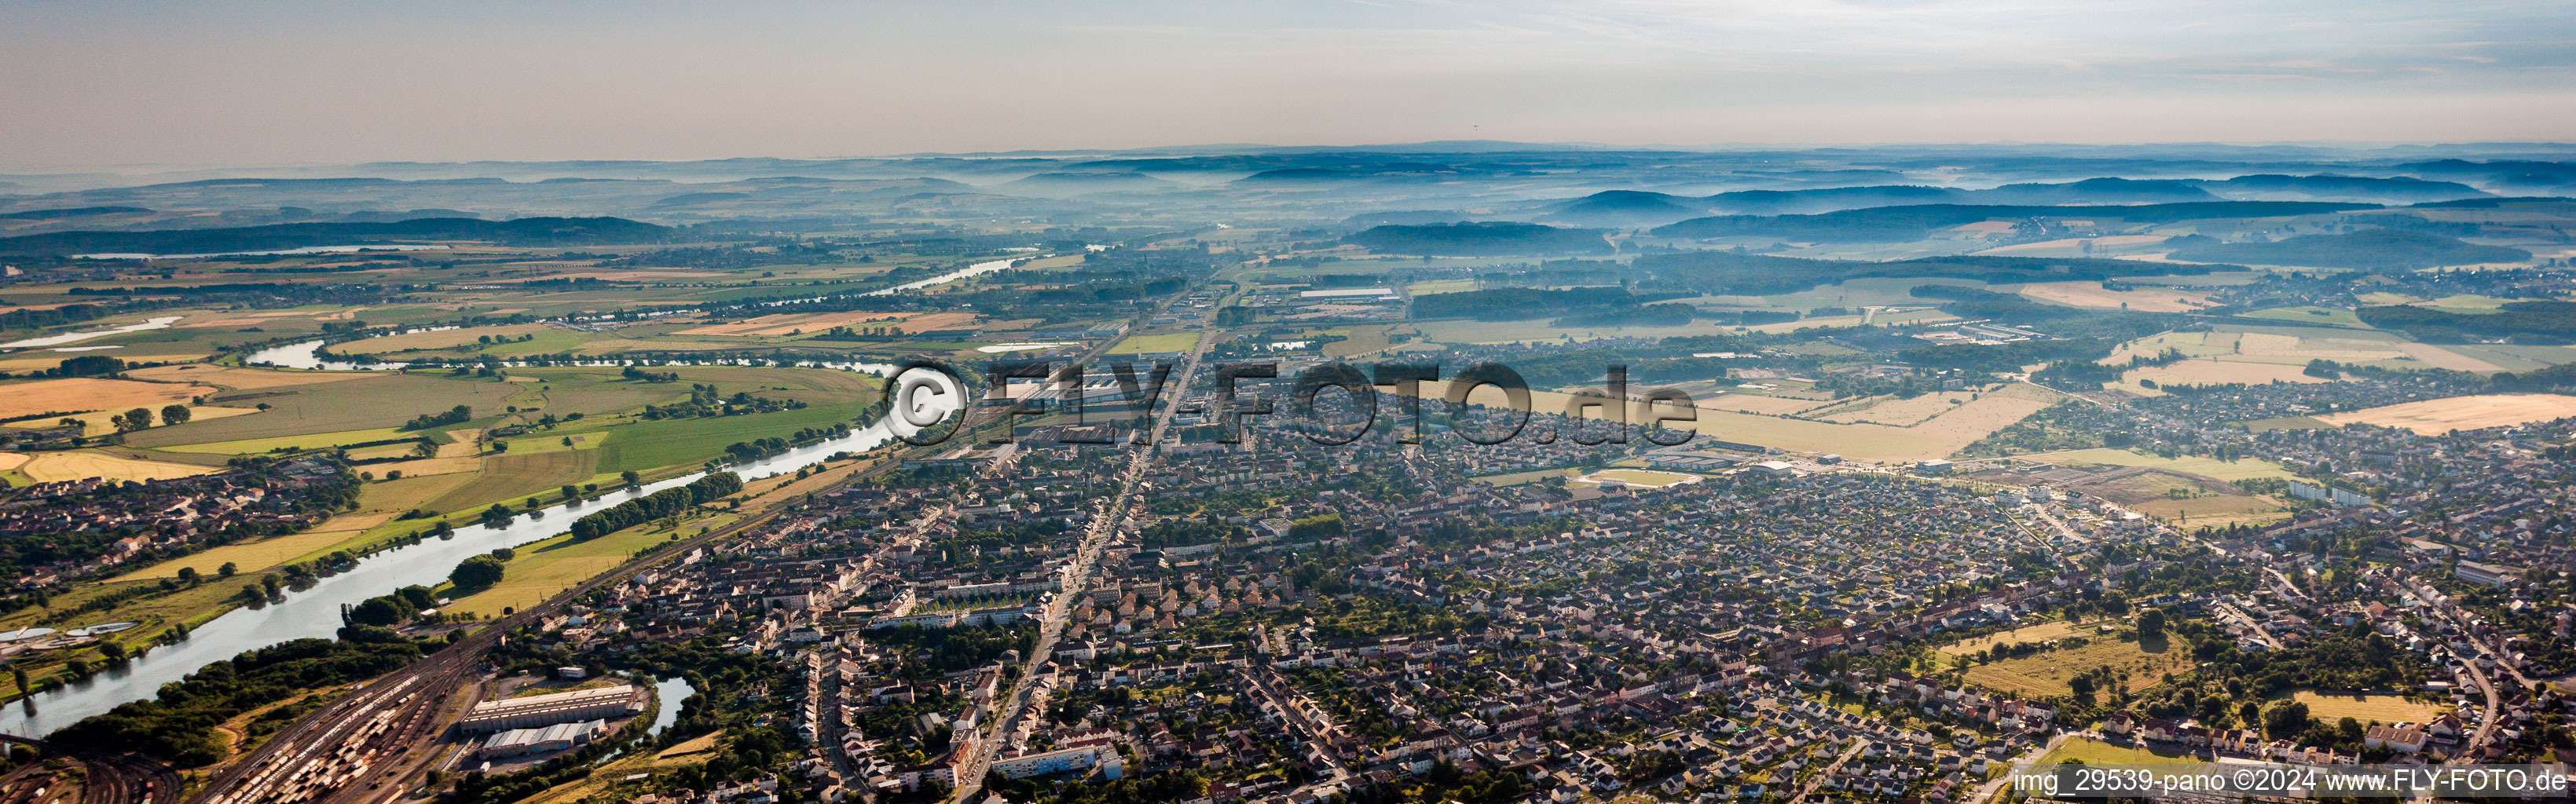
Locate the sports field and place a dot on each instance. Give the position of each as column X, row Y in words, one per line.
column 2438, row 416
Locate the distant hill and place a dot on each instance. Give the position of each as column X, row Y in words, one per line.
column 2517, row 176
column 693, row 199
column 58, row 214
column 1623, row 208
column 2368, row 248
column 2543, row 321
column 1731, row 273
column 1903, row 223
column 1792, row 202
column 1484, row 239
column 1296, row 175
column 2087, row 192
column 2096, row 191
column 1401, row 216
column 520, row 232
column 1077, row 183
column 2343, row 188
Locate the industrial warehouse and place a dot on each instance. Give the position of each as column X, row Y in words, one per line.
column 536, row 711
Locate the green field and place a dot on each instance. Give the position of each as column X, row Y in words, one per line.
column 254, row 446
column 559, row 563
column 334, row 407
column 1141, row 344
column 2044, row 675
column 2311, row 315
column 2231, row 471
column 2095, row 752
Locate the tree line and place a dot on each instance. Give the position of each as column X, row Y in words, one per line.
column 667, row 502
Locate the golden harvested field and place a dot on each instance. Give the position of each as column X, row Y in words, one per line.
column 1642, row 478
column 265, row 553
column 2440, row 358
column 2283, row 347
column 1902, row 412
column 2438, row 416
column 12, row 460
column 1363, row 340
column 103, row 422
column 90, row 393
column 2199, row 371
column 2215, row 469
column 2144, row 299
column 2388, row 709
column 1934, row 438
column 239, row 379
column 1756, row 403
column 2044, row 675
column 57, row 466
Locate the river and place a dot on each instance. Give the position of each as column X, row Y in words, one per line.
column 162, row 322
column 315, row 611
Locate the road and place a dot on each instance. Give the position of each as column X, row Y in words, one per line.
column 1987, row 791
column 1827, row 772
column 1006, row 724
column 2490, row 716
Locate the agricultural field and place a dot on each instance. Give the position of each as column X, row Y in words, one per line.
column 2239, row 469
column 1899, row 412
column 2256, row 355
column 81, row 394
column 379, row 401
column 50, row 467
column 1937, row 437
column 2321, row 316
column 2438, row 416
column 234, row 378
column 2141, row 299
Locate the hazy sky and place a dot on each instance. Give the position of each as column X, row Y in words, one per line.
column 85, row 84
